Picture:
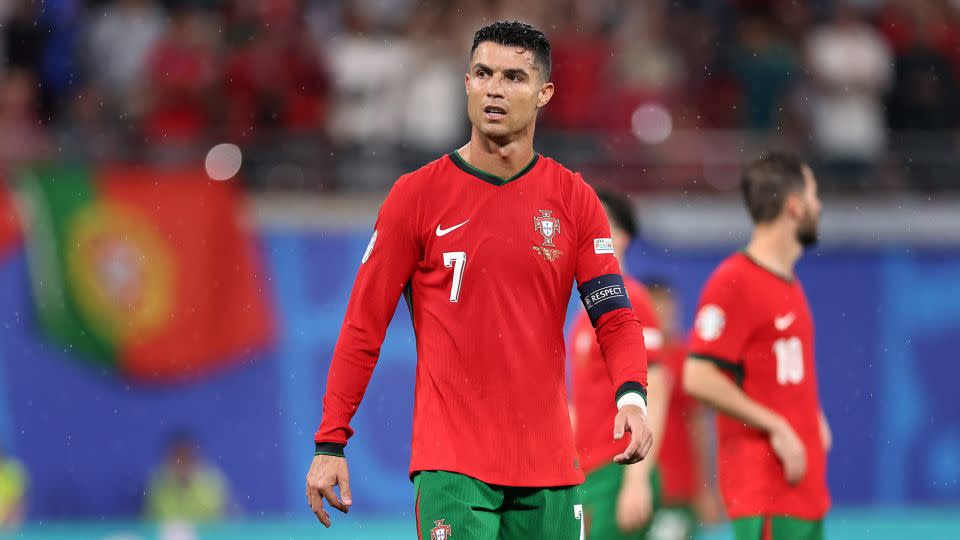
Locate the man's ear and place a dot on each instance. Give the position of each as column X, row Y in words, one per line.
column 546, row 92
column 794, row 205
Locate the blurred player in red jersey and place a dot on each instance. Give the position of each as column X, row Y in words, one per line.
column 618, row 502
column 486, row 243
column 752, row 358
column 686, row 453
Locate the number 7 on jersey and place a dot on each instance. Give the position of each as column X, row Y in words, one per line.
column 457, row 259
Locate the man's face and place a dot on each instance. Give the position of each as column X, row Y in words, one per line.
column 505, row 88
column 809, row 221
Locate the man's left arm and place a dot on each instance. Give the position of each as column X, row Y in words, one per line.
column 619, row 333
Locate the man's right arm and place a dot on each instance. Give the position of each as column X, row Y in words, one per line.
column 386, row 269
column 704, row 381
column 722, row 329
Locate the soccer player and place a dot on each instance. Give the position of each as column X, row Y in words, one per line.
column 686, row 455
column 751, row 357
column 486, row 242
column 618, row 502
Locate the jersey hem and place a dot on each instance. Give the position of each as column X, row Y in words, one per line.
column 493, row 481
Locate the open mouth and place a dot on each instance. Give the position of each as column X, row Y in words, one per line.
column 492, row 112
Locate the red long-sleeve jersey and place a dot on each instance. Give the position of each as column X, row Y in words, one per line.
column 592, row 388
column 487, row 265
column 757, row 326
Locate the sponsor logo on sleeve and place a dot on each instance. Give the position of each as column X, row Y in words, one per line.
column 366, row 254
column 710, row 322
column 603, row 245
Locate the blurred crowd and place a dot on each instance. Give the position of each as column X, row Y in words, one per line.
column 344, row 95
column 184, row 487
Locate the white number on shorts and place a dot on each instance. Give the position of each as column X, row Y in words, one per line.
column 578, row 514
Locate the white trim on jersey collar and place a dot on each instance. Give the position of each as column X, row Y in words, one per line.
column 632, row 398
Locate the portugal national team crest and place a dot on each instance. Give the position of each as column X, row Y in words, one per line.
column 549, row 227
column 441, row 531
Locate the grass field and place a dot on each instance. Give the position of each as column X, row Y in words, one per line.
column 847, row 524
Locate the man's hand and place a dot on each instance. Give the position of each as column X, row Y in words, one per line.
column 632, row 419
column 326, row 472
column 790, row 451
column 634, row 504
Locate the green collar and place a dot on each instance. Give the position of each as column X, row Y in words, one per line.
column 487, row 177
column 788, row 279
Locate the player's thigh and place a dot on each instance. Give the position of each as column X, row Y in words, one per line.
column 554, row 513
column 777, row 528
column 455, row 506
column 600, row 493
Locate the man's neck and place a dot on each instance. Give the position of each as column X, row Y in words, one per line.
column 776, row 248
column 503, row 160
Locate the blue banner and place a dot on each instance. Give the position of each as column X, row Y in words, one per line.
column 888, row 325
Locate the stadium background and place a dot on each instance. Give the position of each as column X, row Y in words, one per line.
column 330, row 101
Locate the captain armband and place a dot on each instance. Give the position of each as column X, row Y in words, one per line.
column 602, row 295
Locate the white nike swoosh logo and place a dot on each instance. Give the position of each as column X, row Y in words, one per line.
column 784, row 322
column 444, row 232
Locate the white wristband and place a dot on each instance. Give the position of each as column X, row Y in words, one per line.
column 632, row 398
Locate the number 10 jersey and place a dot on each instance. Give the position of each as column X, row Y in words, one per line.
column 757, row 326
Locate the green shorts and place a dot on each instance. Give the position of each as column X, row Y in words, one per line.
column 777, row 528
column 600, row 492
column 457, row 507
column 674, row 522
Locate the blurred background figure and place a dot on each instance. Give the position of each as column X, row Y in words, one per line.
column 690, row 496
column 185, row 487
column 22, row 139
column 851, row 68
column 13, row 492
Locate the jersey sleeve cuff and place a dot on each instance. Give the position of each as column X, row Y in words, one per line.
column 733, row 368
column 632, row 393
column 329, row 449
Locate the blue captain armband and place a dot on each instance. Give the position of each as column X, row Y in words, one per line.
column 603, row 294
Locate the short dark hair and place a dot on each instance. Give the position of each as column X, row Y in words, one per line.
column 619, row 210
column 767, row 181
column 517, row 34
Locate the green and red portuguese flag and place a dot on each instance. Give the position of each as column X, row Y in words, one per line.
column 149, row 272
